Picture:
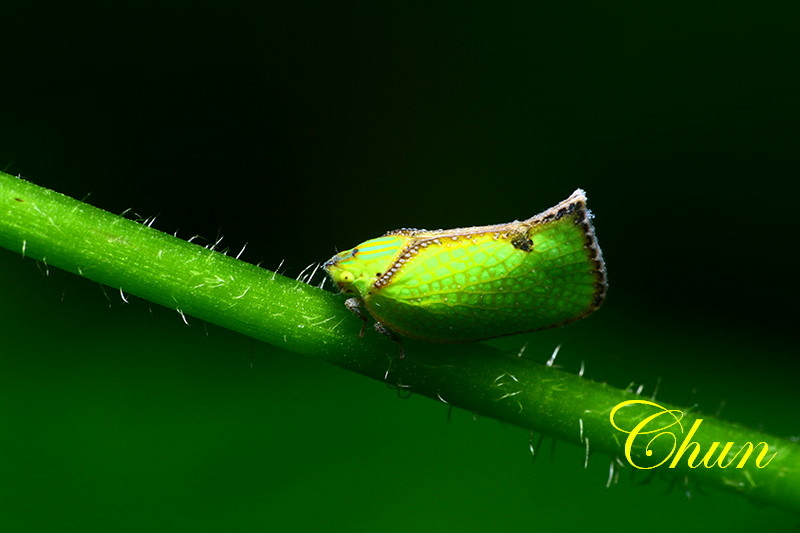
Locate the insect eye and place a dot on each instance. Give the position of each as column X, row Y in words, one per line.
column 345, row 277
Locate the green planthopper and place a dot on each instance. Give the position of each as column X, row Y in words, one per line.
column 471, row 284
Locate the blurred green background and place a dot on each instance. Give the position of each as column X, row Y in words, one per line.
column 301, row 128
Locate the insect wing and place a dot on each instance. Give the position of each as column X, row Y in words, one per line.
column 477, row 283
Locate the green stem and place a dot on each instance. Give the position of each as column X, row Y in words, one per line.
column 139, row 260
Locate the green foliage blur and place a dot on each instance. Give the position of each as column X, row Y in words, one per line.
column 306, row 128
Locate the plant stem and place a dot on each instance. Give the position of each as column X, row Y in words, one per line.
column 199, row 282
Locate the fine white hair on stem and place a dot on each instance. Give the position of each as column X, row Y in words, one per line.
column 213, row 247
column 241, row 251
column 313, row 272
column 533, row 447
column 302, row 272
column 586, row 456
column 103, row 289
column 275, row 272
column 183, row 316
column 46, row 267
column 552, row 359
column 611, row 473
column 655, row 390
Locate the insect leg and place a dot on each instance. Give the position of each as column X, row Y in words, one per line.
column 354, row 305
column 383, row 330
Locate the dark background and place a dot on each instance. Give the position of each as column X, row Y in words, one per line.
column 299, row 130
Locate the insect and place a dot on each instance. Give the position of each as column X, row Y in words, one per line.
column 471, row 284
